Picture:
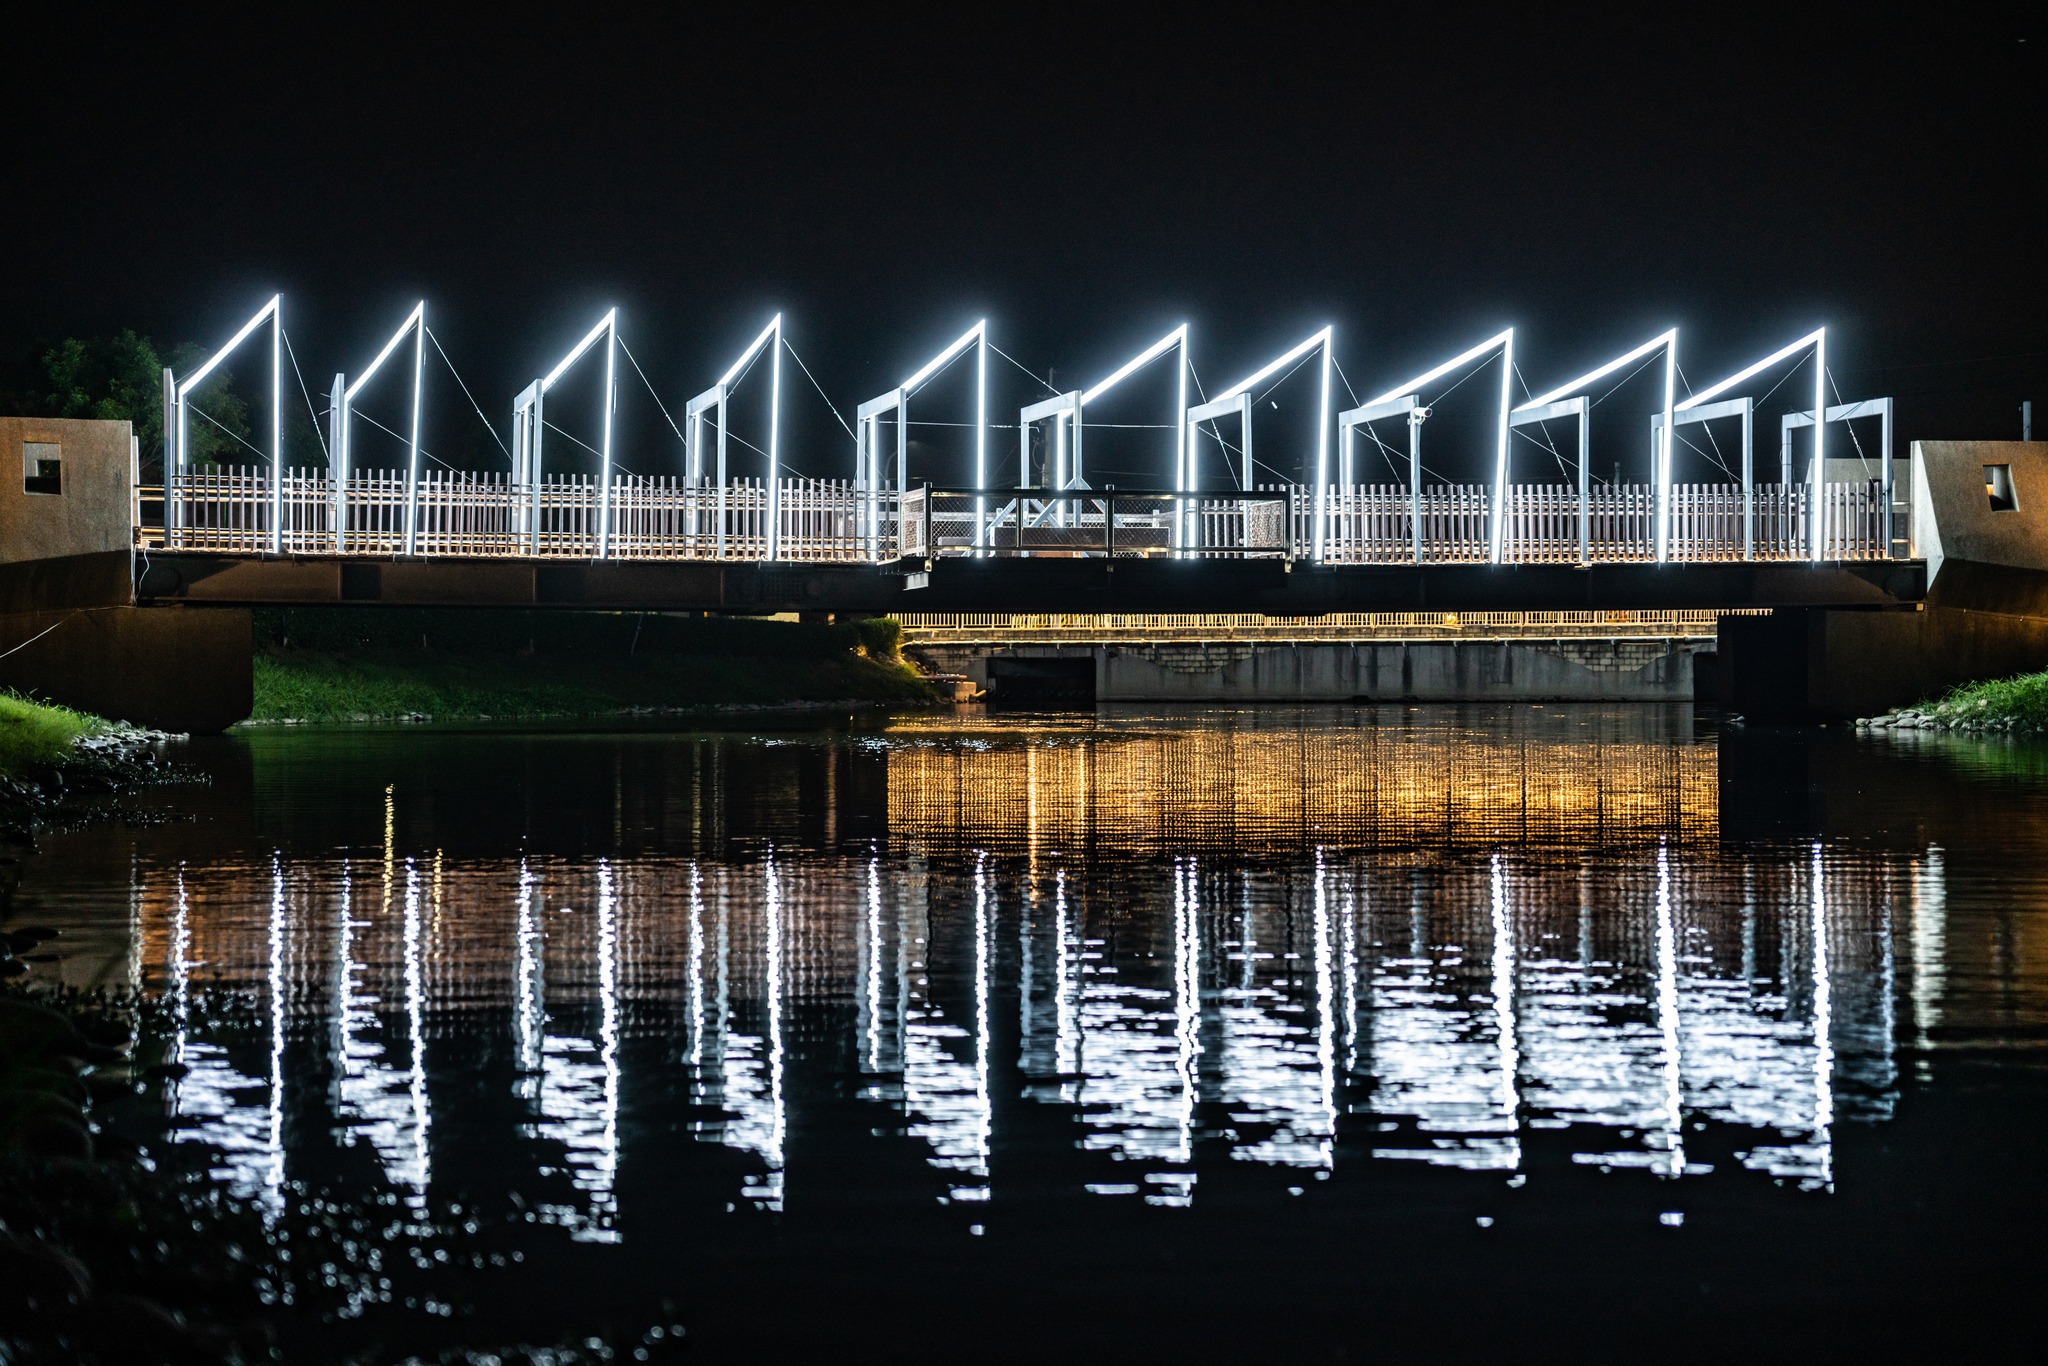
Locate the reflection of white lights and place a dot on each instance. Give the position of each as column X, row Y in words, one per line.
column 1930, row 943
column 1667, row 1019
column 527, row 1017
column 946, row 1096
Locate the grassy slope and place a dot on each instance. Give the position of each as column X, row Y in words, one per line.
column 319, row 685
column 2023, row 700
column 33, row 733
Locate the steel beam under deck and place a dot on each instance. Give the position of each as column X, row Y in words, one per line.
column 1269, row 587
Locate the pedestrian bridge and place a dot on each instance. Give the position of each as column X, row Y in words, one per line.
column 707, row 527
column 235, row 536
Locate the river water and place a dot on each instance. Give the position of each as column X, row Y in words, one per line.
column 1354, row 1032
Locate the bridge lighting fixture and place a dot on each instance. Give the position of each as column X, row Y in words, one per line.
column 868, row 456
column 1238, row 398
column 1661, row 454
column 1405, row 400
column 339, row 454
column 174, row 409
column 529, row 431
column 1818, row 340
column 715, row 398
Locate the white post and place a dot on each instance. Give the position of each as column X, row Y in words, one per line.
column 337, row 458
column 1817, row 483
column 774, row 465
column 611, row 403
column 276, row 430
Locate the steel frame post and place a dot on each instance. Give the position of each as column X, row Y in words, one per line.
column 1579, row 408
column 1744, row 408
column 1223, row 402
column 1409, row 392
column 337, row 460
column 897, row 400
column 1660, row 454
column 1409, row 408
column 415, row 323
column 1880, row 408
column 171, row 423
column 530, row 404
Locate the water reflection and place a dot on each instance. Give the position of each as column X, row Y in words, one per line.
column 1482, row 950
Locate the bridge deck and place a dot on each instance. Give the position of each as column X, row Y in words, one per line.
column 1266, row 587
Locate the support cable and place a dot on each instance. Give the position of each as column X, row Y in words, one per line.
column 466, row 394
column 358, row 415
column 1020, row 365
column 837, row 417
column 305, row 395
column 260, row 455
column 1853, row 440
column 588, row 447
column 661, row 407
column 1346, row 378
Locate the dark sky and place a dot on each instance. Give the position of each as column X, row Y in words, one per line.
column 1085, row 181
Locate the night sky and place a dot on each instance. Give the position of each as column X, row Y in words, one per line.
column 1084, row 182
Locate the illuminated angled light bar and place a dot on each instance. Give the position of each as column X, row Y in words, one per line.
column 867, row 452
column 714, row 398
column 1066, row 411
column 1701, row 406
column 1405, row 401
column 1237, row 399
column 175, row 391
column 528, row 428
column 341, row 411
column 1566, row 395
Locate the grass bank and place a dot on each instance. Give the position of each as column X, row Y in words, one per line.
column 37, row 734
column 370, row 665
column 2018, row 705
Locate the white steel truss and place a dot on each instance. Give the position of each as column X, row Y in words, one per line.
column 713, row 400
column 1405, row 401
column 175, row 394
column 528, row 426
column 1818, row 340
column 340, row 415
column 1066, row 467
column 1547, row 406
column 1237, row 399
column 867, row 421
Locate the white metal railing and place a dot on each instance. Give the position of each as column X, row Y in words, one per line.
column 1057, row 627
column 233, row 509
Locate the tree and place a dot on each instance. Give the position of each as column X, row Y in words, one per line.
column 120, row 378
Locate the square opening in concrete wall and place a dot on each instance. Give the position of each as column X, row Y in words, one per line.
column 1998, row 488
column 42, row 467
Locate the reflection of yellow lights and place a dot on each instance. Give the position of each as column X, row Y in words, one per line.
column 1065, row 784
